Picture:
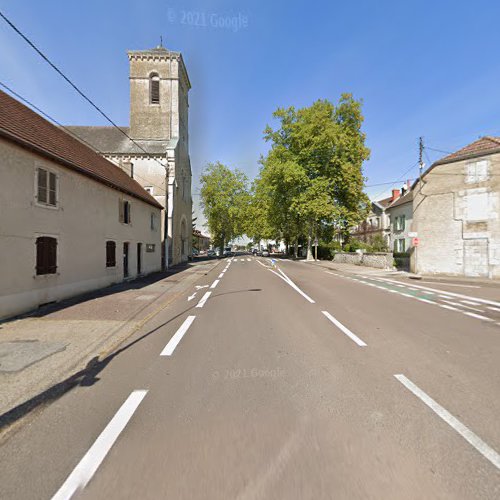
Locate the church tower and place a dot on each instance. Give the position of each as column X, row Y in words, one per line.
column 159, row 86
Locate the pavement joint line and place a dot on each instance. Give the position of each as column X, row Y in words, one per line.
column 472, row 438
column 202, row 301
column 214, row 284
column 177, row 337
column 344, row 329
column 88, row 465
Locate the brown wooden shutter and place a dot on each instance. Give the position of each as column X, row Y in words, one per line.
column 42, row 185
column 52, row 189
column 120, row 210
column 110, row 254
column 46, row 255
column 155, row 90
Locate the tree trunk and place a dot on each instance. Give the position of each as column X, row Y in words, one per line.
column 309, row 244
column 296, row 248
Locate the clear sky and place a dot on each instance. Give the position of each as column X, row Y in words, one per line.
column 421, row 68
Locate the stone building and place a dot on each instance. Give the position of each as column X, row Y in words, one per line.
column 72, row 221
column 400, row 214
column 159, row 152
column 456, row 213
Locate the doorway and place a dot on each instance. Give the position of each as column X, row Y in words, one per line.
column 139, row 258
column 125, row 260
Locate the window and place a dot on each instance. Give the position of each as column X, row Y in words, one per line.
column 46, row 255
column 46, row 187
column 477, row 171
column 399, row 223
column 154, row 89
column 153, row 221
column 400, row 245
column 124, row 211
column 110, row 254
column 149, row 189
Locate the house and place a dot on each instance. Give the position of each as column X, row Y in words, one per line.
column 400, row 213
column 159, row 152
column 377, row 222
column 71, row 221
column 456, row 213
column 200, row 241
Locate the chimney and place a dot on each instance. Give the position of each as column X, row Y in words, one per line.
column 395, row 194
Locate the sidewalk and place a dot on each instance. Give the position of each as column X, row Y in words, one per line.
column 44, row 348
column 353, row 269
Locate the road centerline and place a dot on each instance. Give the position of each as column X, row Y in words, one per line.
column 202, row 301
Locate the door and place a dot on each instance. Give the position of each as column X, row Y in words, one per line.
column 139, row 258
column 125, row 260
column 476, row 262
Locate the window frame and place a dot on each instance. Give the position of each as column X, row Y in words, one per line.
column 50, row 172
column 56, row 253
column 110, row 263
column 473, row 178
column 154, row 78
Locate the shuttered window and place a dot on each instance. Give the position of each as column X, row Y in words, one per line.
column 46, row 255
column 124, row 212
column 110, row 254
column 46, row 187
column 154, row 89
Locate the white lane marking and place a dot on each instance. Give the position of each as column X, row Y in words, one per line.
column 473, row 439
column 344, row 329
column 478, row 316
column 221, row 275
column 408, row 295
column 214, row 284
column 202, row 301
column 425, row 300
column 249, row 260
column 172, row 343
column 462, row 305
column 198, row 287
column 263, row 265
column 452, row 294
column 294, row 286
column 242, row 260
column 493, row 308
column 450, row 284
column 191, row 297
column 451, row 308
column 470, row 302
column 88, row 465
column 445, row 297
column 328, row 272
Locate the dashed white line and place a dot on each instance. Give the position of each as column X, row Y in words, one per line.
column 249, row 260
column 214, row 284
column 172, row 344
column 202, row 301
column 493, row 308
column 88, row 465
column 462, row 305
column 450, row 308
column 470, row 302
column 221, row 274
column 477, row 316
column 473, row 439
column 344, row 329
column 445, row 297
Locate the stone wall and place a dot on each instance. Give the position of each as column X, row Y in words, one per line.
column 379, row 260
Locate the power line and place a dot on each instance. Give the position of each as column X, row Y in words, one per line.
column 69, row 131
column 52, row 65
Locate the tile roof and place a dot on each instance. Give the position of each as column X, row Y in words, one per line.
column 21, row 125
column 385, row 202
column 406, row 198
column 483, row 146
column 110, row 140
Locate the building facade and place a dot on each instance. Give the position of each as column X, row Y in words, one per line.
column 71, row 220
column 158, row 155
column 400, row 214
column 456, row 209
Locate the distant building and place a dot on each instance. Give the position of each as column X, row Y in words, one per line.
column 456, row 213
column 377, row 222
column 71, row 220
column 200, row 241
column 159, row 86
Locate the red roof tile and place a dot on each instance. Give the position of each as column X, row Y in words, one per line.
column 483, row 146
column 20, row 124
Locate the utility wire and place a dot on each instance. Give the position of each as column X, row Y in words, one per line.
column 51, row 64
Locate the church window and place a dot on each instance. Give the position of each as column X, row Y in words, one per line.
column 154, row 89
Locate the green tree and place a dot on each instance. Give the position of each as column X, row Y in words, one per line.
column 225, row 200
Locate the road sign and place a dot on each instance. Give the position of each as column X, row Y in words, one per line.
column 413, row 234
column 415, row 242
column 315, row 242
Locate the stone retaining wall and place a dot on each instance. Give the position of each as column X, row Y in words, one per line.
column 379, row 260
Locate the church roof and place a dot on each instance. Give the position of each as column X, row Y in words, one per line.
column 110, row 140
column 21, row 125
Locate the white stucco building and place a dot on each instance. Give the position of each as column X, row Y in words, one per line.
column 71, row 221
column 159, row 152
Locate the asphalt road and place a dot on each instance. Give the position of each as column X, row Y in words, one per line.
column 280, row 381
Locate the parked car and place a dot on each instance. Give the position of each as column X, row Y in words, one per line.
column 211, row 253
column 195, row 252
column 227, row 252
column 265, row 253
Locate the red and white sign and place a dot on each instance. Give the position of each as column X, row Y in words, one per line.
column 415, row 242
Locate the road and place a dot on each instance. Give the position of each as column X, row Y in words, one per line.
column 280, row 380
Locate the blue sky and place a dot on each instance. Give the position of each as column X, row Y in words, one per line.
column 421, row 68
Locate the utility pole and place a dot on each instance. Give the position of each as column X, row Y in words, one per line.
column 420, row 153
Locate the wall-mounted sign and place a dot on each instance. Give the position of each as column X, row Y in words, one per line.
column 412, row 234
column 150, row 247
column 415, row 242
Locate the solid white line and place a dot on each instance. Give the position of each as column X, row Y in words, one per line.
column 485, row 450
column 172, row 344
column 287, row 280
column 258, row 261
column 214, row 284
column 493, row 308
column 451, row 294
column 88, row 465
column 221, row 275
column 445, row 297
column 462, row 305
column 451, row 308
column 426, row 301
column 470, row 302
column 341, row 327
column 450, row 284
column 478, row 316
column 202, row 301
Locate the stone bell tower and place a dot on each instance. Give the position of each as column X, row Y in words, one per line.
column 159, row 86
